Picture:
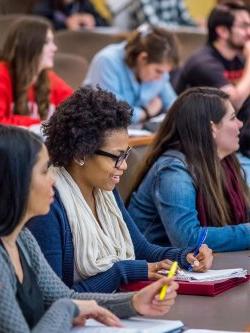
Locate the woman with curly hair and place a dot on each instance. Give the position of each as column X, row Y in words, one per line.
column 190, row 178
column 88, row 237
column 32, row 297
column 29, row 89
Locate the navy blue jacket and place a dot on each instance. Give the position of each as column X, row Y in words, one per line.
column 54, row 236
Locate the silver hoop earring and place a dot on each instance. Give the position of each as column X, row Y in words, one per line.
column 80, row 162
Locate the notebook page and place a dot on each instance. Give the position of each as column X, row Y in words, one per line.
column 138, row 132
column 211, row 275
column 132, row 325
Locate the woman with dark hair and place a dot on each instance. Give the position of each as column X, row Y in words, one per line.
column 244, row 151
column 191, row 179
column 88, row 237
column 29, row 89
column 32, row 297
column 136, row 71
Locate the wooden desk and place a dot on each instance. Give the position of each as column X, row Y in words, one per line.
column 140, row 140
column 227, row 311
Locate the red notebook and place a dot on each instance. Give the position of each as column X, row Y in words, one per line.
column 194, row 288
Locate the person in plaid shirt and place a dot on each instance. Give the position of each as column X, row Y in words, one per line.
column 162, row 12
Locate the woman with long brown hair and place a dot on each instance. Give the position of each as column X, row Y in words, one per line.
column 191, row 179
column 136, row 71
column 29, row 89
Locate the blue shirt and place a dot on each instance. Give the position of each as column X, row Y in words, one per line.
column 54, row 236
column 109, row 70
column 245, row 164
column 164, row 209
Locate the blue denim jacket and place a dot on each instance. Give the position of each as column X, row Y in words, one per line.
column 164, row 209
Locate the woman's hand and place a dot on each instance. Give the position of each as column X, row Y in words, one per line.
column 154, row 107
column 90, row 309
column 147, row 301
column 203, row 261
column 154, row 267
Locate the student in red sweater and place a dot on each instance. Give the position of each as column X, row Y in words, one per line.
column 29, row 89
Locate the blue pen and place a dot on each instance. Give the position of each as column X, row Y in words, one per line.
column 201, row 240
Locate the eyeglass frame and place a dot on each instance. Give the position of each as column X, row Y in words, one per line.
column 117, row 158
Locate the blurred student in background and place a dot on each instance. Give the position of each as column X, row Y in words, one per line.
column 29, row 89
column 224, row 62
column 137, row 71
column 162, row 13
column 74, row 14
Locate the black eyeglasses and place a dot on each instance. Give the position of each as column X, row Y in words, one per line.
column 118, row 159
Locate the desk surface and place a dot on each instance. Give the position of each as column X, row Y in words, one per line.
column 227, row 311
column 135, row 141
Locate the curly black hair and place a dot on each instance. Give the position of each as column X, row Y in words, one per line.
column 79, row 126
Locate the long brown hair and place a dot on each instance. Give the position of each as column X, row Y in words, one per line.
column 22, row 50
column 187, row 128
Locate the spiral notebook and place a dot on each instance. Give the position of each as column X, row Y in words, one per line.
column 210, row 275
column 211, row 283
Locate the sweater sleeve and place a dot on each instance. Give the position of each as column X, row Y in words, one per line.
column 146, row 250
column 175, row 198
column 53, row 288
column 49, row 230
column 57, row 319
column 121, row 272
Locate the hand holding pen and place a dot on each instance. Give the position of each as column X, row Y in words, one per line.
column 201, row 259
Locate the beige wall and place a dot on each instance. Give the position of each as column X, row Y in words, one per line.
column 200, row 8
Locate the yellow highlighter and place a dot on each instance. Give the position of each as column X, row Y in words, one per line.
column 171, row 273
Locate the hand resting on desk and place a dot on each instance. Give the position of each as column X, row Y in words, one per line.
column 146, row 302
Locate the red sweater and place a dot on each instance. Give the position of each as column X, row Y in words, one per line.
column 59, row 91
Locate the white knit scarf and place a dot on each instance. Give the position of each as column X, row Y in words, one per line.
column 96, row 247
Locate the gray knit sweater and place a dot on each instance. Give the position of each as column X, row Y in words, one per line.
column 56, row 296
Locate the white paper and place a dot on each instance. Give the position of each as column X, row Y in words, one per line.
column 138, row 132
column 132, row 325
column 210, row 275
column 209, row 331
column 158, row 119
column 213, row 275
